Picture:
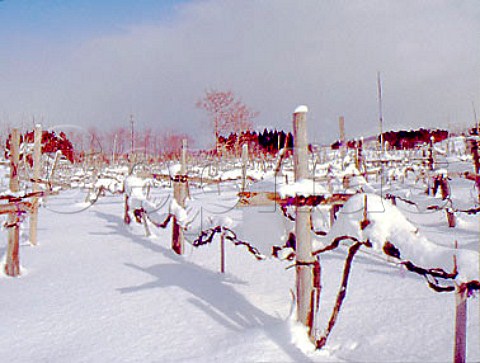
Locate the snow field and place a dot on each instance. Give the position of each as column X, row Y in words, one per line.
column 96, row 290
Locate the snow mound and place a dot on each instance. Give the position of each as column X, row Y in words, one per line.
column 135, row 188
column 263, row 227
column 112, row 185
column 388, row 224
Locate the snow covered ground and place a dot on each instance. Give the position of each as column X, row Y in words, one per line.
column 95, row 290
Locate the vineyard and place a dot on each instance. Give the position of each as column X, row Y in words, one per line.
column 306, row 254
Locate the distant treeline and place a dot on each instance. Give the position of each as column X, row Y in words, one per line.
column 271, row 141
column 267, row 141
column 404, row 139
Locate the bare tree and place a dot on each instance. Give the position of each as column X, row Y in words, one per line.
column 172, row 143
column 240, row 119
column 228, row 114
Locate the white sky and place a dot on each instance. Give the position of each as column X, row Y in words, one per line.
column 273, row 54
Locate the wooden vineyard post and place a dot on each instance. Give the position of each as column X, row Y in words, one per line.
column 12, row 263
column 304, row 259
column 359, row 159
column 126, row 216
column 451, row 219
column 365, row 222
column 341, row 125
column 476, row 164
column 183, row 169
column 180, row 195
column 222, row 252
column 114, row 148
column 145, row 226
column 431, row 160
column 244, row 165
column 461, row 293
column 380, row 114
column 37, row 167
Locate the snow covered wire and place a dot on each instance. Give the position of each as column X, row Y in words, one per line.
column 455, row 210
column 207, row 236
column 431, row 275
column 16, row 197
column 447, row 205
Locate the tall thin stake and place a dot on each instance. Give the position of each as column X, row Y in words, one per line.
column 380, row 111
column 460, row 324
column 37, row 167
column 180, row 195
column 222, row 252
column 304, row 259
column 341, row 125
column 475, row 119
column 12, row 264
column 244, row 165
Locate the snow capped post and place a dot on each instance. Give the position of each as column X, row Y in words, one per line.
column 37, row 167
column 431, row 161
column 304, row 259
column 12, row 263
column 180, row 194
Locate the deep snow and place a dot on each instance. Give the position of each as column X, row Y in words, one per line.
column 95, row 290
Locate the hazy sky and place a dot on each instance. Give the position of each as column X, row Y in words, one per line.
column 95, row 62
